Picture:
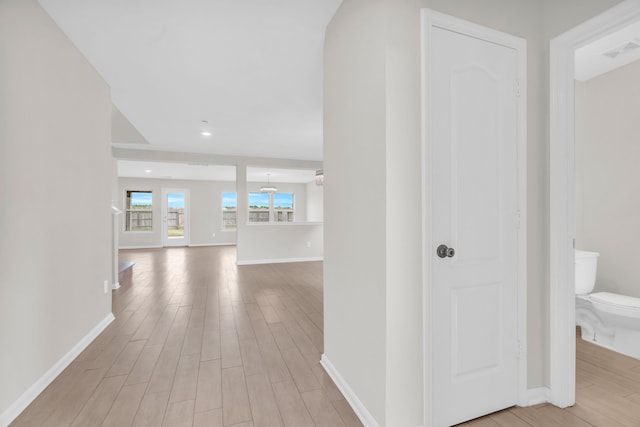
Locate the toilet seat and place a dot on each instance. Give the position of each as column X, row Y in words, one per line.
column 616, row 299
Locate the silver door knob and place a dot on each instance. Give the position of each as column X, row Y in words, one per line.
column 443, row 251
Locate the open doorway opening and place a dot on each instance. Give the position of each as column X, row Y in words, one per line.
column 175, row 217
column 562, row 191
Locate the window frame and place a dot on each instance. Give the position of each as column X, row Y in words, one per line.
column 128, row 209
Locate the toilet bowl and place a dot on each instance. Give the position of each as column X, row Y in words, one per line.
column 606, row 319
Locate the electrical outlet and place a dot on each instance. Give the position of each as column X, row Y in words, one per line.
column 106, row 286
column 213, row 234
column 308, row 244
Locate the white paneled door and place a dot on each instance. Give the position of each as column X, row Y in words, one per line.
column 473, row 223
column 175, row 217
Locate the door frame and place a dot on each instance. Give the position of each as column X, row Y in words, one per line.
column 187, row 216
column 430, row 19
column 562, row 226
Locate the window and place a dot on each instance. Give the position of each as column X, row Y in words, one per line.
column 259, row 207
column 265, row 207
column 139, row 211
column 283, row 207
column 229, row 210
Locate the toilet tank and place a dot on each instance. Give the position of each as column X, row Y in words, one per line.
column 586, row 267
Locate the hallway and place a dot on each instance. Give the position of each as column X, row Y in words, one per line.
column 200, row 341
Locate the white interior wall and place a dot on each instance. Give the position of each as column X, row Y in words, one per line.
column 315, row 202
column 355, row 215
column 278, row 242
column 55, row 192
column 284, row 242
column 115, row 225
column 580, row 114
column 607, row 174
column 405, row 398
column 205, row 206
column 372, row 111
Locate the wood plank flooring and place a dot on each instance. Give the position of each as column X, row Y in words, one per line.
column 199, row 341
column 607, row 395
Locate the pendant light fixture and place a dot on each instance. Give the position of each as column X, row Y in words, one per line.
column 268, row 188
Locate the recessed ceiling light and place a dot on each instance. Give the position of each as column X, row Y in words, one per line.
column 147, row 170
column 205, row 133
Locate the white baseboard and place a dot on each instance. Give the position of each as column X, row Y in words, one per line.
column 197, row 245
column 12, row 412
column 277, row 260
column 142, row 247
column 365, row 417
column 536, row 396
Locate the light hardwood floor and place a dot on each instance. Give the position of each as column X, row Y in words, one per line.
column 199, row 341
column 607, row 395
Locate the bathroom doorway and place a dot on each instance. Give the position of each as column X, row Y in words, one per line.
column 562, row 192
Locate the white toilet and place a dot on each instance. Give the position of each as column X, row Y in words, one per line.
column 607, row 319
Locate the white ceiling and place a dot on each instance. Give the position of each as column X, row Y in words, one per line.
column 204, row 172
column 591, row 61
column 251, row 68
